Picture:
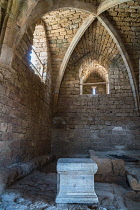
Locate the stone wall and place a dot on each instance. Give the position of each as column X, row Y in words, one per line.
column 100, row 122
column 25, row 111
column 3, row 12
column 61, row 26
column 97, row 42
column 82, row 122
column 126, row 19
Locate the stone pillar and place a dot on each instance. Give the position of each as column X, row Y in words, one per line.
column 76, row 181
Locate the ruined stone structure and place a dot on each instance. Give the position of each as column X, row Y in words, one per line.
column 47, row 107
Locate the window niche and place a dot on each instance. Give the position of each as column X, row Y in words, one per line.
column 39, row 57
column 94, row 85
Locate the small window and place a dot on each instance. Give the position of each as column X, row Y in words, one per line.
column 94, row 85
column 94, row 90
column 38, row 55
column 36, row 63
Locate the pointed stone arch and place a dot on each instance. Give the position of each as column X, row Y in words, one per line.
column 87, row 22
column 107, row 4
column 115, row 36
column 122, row 51
column 38, row 8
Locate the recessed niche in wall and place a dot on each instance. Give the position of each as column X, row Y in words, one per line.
column 94, row 85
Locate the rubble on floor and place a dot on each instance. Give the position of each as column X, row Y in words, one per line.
column 37, row 191
column 14, row 172
column 133, row 175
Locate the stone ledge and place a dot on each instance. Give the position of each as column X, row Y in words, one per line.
column 110, row 170
column 14, row 172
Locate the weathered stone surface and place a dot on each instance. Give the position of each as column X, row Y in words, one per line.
column 101, row 122
column 76, row 180
column 133, row 169
column 61, row 28
column 11, row 174
column 38, row 191
column 133, row 183
column 109, row 170
column 133, row 195
column 90, row 120
column 24, row 119
column 126, row 20
column 11, row 196
column 26, row 101
column 118, row 167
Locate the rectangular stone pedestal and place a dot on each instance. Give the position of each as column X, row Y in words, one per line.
column 76, row 180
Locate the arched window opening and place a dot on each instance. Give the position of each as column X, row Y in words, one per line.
column 38, row 54
column 93, row 78
column 95, row 84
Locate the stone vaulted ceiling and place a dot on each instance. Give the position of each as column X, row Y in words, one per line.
column 98, row 29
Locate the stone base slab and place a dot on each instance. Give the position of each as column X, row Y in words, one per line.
column 88, row 199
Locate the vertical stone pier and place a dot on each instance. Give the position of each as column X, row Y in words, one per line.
column 76, row 181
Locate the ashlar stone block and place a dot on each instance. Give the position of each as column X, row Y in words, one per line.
column 75, row 182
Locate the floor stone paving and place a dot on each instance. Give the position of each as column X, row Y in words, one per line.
column 37, row 191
